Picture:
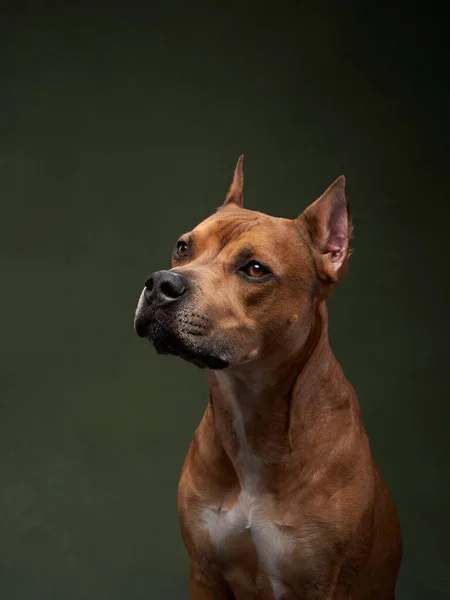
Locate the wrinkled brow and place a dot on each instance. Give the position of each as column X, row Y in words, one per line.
column 232, row 229
column 245, row 253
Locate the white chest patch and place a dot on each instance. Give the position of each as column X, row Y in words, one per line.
column 248, row 515
column 247, row 518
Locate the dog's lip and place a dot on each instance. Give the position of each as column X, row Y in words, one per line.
column 181, row 321
column 182, row 335
column 179, row 346
column 143, row 326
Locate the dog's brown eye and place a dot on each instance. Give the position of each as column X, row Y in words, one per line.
column 255, row 270
column 182, row 249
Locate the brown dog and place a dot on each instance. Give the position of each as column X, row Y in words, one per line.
column 279, row 497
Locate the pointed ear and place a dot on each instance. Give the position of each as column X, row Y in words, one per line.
column 329, row 226
column 235, row 194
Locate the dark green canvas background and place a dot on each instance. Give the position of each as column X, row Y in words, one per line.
column 119, row 130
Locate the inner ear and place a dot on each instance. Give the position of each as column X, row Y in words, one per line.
column 336, row 235
column 328, row 224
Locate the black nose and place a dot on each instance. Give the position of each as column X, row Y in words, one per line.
column 165, row 287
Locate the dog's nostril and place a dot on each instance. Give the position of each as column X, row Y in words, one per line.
column 164, row 287
column 171, row 291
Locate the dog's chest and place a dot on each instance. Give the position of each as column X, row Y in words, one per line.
column 245, row 529
column 244, row 533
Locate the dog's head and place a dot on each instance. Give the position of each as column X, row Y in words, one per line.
column 244, row 284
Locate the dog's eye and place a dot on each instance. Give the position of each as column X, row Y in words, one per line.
column 255, row 270
column 182, row 250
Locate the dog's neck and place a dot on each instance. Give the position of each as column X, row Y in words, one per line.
column 252, row 406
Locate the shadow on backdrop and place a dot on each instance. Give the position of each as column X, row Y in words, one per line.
column 119, row 131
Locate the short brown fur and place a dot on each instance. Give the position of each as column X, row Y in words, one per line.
column 302, row 438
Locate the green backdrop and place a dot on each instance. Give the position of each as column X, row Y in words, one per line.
column 119, row 130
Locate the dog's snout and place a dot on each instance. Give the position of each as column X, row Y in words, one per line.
column 165, row 287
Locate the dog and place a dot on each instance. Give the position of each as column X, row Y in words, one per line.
column 279, row 496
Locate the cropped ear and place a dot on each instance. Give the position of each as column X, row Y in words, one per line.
column 235, row 194
column 329, row 226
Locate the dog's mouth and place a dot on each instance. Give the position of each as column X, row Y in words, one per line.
column 181, row 335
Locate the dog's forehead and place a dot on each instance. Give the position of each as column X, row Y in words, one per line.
column 231, row 225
